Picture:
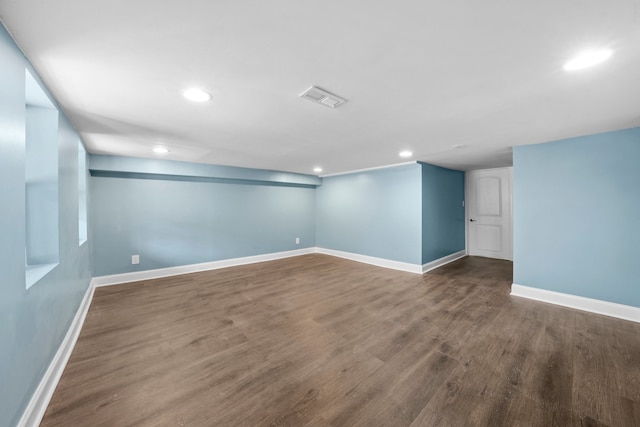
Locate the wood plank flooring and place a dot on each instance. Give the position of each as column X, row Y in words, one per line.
column 321, row 341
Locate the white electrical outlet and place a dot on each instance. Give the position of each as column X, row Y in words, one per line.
column 297, row 240
column 135, row 259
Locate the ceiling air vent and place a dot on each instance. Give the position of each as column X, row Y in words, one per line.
column 323, row 97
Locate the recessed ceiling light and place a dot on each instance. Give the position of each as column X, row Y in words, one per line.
column 160, row 150
column 317, row 169
column 196, row 95
column 587, row 59
column 405, row 153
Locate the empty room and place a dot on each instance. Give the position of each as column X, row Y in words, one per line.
column 297, row 213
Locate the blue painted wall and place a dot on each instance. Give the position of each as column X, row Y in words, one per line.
column 375, row 213
column 576, row 210
column 33, row 322
column 180, row 215
column 442, row 212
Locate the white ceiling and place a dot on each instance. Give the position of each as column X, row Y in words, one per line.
column 419, row 75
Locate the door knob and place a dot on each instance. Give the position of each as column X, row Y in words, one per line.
column 472, row 220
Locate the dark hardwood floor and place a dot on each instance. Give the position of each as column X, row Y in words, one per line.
column 321, row 341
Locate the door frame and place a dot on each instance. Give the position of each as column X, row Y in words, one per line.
column 466, row 206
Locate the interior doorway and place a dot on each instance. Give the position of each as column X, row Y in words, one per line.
column 489, row 213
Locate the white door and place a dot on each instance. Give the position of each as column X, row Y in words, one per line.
column 489, row 226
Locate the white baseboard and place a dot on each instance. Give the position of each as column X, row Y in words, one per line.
column 606, row 308
column 42, row 396
column 380, row 262
column 444, row 260
column 135, row 276
column 116, row 279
